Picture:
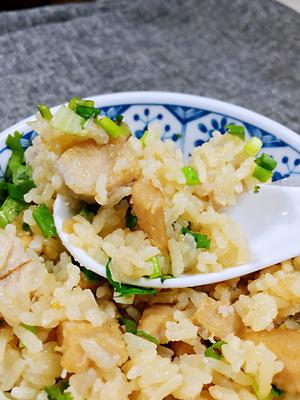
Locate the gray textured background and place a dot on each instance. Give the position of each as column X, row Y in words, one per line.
column 241, row 51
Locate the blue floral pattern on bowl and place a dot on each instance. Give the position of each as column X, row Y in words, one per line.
column 188, row 127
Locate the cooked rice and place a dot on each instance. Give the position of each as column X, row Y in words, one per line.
column 77, row 334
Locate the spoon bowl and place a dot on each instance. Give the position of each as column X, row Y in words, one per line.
column 270, row 220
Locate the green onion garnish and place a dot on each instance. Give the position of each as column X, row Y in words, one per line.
column 156, row 267
column 236, row 130
column 202, row 241
column 119, row 119
column 29, row 328
column 276, row 392
column 90, row 275
column 146, row 336
column 10, row 210
column 256, row 188
column 44, row 111
column 110, row 127
column 191, row 176
column 66, row 120
column 253, row 146
column 87, row 112
column 165, row 277
column 131, row 220
column 143, row 138
column 76, row 101
column 266, row 162
column 123, row 289
column 214, row 351
column 26, row 227
column 131, row 327
column 262, row 174
column 44, row 220
column 58, row 391
column 88, row 211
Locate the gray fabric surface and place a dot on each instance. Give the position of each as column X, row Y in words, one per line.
column 241, row 51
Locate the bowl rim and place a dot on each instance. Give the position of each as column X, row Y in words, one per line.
column 186, row 100
column 291, row 138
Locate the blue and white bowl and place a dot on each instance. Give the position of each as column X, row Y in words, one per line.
column 187, row 120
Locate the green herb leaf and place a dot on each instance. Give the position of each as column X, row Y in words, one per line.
column 44, row 220
column 202, row 241
column 266, row 161
column 256, row 188
column 90, row 275
column 44, row 111
column 131, row 220
column 86, row 112
column 276, row 392
column 146, row 336
column 214, row 351
column 56, row 393
column 13, row 142
column 119, row 119
column 191, row 176
column 88, row 211
column 123, row 289
column 156, row 267
column 130, row 325
column 236, row 130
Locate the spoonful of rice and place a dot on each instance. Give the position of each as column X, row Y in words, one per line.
column 270, row 220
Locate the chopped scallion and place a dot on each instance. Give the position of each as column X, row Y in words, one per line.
column 10, row 210
column 44, row 111
column 262, row 174
column 191, row 176
column 129, row 324
column 253, row 146
column 29, row 328
column 88, row 211
column 119, row 119
column 87, row 112
column 215, row 350
column 276, row 392
column 131, row 220
column 202, row 241
column 123, row 289
column 256, row 188
column 110, row 127
column 156, row 267
column 26, row 227
column 131, row 327
column 143, row 138
column 58, row 392
column 165, row 277
column 76, row 101
column 236, row 130
column 90, row 275
column 44, row 220
column 266, row 161
column 146, row 336
column 66, row 120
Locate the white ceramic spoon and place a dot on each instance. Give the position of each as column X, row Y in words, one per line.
column 270, row 220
